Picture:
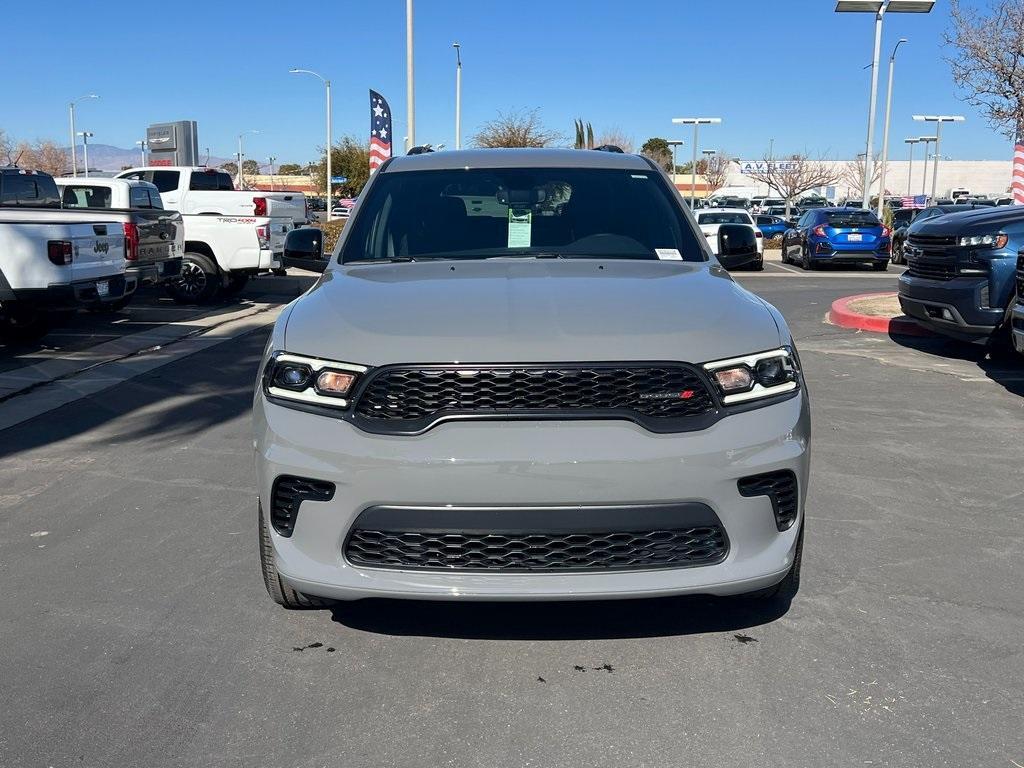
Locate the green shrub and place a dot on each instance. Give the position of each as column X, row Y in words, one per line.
column 332, row 231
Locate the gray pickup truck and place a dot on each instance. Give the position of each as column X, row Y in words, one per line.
column 154, row 237
column 524, row 374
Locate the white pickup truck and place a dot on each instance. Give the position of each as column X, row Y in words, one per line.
column 52, row 260
column 230, row 235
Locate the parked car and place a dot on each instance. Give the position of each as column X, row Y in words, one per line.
column 155, row 238
column 960, row 277
column 837, row 236
column 52, row 260
column 711, row 219
column 1004, row 201
column 763, row 204
column 771, row 226
column 230, row 236
column 899, row 236
column 477, row 425
column 1017, row 312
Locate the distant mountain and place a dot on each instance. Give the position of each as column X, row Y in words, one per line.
column 104, row 157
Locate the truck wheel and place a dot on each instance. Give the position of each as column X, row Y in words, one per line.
column 198, row 282
column 1000, row 343
column 23, row 326
column 280, row 592
column 235, row 285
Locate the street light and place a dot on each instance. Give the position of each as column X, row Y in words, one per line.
column 924, row 176
column 885, row 130
column 458, row 95
column 71, row 112
column 938, row 120
column 241, row 156
column 910, row 165
column 86, row 135
column 327, row 85
column 271, row 160
column 879, row 8
column 674, row 143
column 142, row 150
column 696, row 122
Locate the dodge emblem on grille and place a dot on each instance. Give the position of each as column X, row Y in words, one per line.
column 686, row 394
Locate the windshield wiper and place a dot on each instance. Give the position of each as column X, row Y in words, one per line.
column 387, row 260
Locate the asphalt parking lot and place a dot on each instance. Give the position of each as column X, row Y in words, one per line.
column 137, row 631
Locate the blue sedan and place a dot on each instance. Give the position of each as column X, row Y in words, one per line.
column 771, row 226
column 837, row 236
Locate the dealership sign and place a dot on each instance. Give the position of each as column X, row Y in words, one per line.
column 763, row 167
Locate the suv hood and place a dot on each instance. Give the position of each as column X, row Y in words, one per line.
column 979, row 221
column 526, row 310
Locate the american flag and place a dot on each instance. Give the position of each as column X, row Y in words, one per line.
column 1017, row 185
column 380, row 130
column 914, row 201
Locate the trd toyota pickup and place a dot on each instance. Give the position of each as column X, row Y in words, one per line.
column 525, row 375
column 52, row 260
column 155, row 238
column 960, row 274
column 230, row 235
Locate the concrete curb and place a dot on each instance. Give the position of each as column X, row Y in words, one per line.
column 843, row 316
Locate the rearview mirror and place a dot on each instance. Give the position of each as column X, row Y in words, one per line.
column 304, row 249
column 737, row 245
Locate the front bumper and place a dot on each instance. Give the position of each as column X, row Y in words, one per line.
column 532, row 464
column 950, row 307
column 1017, row 325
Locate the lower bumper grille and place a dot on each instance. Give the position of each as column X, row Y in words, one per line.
column 553, row 539
column 931, row 270
column 288, row 494
column 781, row 488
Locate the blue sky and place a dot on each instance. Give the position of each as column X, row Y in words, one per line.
column 787, row 69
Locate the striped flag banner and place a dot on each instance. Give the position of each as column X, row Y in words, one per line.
column 914, row 201
column 1017, row 185
column 380, row 130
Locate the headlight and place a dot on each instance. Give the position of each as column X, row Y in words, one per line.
column 310, row 380
column 761, row 375
column 983, row 241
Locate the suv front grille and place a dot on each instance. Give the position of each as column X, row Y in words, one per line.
column 1020, row 278
column 412, row 398
column 930, row 270
column 926, row 242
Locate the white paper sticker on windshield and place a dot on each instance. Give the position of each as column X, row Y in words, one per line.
column 520, row 224
column 668, row 254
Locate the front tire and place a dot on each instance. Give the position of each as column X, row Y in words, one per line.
column 278, row 590
column 198, row 282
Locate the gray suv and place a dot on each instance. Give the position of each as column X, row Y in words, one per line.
column 524, row 375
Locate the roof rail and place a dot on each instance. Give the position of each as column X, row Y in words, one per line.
column 609, row 148
column 420, row 150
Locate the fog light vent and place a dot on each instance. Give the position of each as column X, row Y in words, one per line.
column 289, row 492
column 781, row 488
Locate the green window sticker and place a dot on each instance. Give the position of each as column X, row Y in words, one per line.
column 520, row 224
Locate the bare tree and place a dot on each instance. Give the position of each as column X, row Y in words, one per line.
column 715, row 171
column 515, row 129
column 6, row 149
column 852, row 174
column 988, row 61
column 792, row 176
column 617, row 137
column 43, row 156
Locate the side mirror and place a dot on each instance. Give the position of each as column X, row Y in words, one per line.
column 304, row 248
column 737, row 245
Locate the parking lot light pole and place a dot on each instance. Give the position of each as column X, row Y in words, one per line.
column 910, row 165
column 410, row 88
column 938, row 120
column 327, row 86
column 924, row 176
column 142, row 150
column 74, row 141
column 879, row 8
column 241, row 156
column 696, row 122
column 885, row 129
column 675, row 144
column 85, row 149
column 458, row 95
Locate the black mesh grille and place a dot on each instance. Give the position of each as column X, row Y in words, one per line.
column 931, row 270
column 423, row 394
column 614, row 550
column 781, row 488
column 1020, row 279
column 940, row 242
column 289, row 493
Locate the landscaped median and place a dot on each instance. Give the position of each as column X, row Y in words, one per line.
column 875, row 312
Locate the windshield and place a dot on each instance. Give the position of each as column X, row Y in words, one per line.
column 520, row 212
column 853, row 219
column 723, row 218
